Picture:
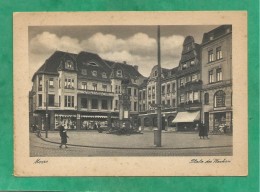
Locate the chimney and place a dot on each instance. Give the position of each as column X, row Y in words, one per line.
column 136, row 67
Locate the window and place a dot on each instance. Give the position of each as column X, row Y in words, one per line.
column 194, row 77
column 173, row 102
column 173, row 87
column 94, row 73
column 189, row 96
column 135, row 106
column 218, row 53
column 153, row 90
column 163, row 89
column 181, row 82
column 140, row 95
column 168, row 88
column 155, row 73
column 182, row 99
column 143, row 94
column 104, row 88
column 84, row 85
column 94, row 104
column 210, row 56
column 119, row 73
column 119, row 89
column 104, row 75
column 116, row 102
column 135, row 92
column 51, row 85
column 84, row 71
column 40, row 83
column 69, row 65
column 69, row 101
column 84, row 103
column 59, row 101
column 104, row 104
column 168, row 102
column 184, row 66
column 129, row 91
column 51, row 100
column 69, row 83
column 219, row 74
column 192, row 62
column 188, row 79
column 94, row 86
column 40, row 100
column 219, row 99
column 206, row 98
column 163, row 102
column 196, row 96
column 92, row 64
column 116, row 89
column 149, row 91
column 211, row 76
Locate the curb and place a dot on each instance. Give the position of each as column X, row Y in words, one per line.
column 141, row 148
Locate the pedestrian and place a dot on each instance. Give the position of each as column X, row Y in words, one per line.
column 63, row 136
column 201, row 131
column 205, row 131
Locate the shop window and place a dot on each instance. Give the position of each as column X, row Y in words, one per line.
column 104, row 104
column 94, row 104
column 84, row 103
column 206, row 98
column 219, row 99
column 51, row 100
column 40, row 100
column 218, row 53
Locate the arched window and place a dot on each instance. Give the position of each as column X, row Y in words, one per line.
column 206, row 98
column 219, row 99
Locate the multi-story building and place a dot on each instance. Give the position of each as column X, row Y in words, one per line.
column 147, row 98
column 216, row 52
column 189, row 86
column 81, row 89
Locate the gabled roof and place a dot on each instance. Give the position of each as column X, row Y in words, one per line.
column 216, row 33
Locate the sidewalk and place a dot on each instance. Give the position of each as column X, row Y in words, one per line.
column 170, row 140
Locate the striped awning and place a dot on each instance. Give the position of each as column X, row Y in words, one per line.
column 186, row 117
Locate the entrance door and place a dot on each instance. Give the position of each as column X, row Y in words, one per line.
column 206, row 119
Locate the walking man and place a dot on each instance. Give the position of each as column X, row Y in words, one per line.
column 63, row 136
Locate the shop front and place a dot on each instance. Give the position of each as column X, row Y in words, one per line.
column 69, row 121
column 186, row 121
column 221, row 120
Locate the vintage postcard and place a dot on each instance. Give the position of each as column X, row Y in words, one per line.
column 130, row 94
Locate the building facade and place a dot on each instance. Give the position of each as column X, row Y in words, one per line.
column 216, row 52
column 189, row 86
column 79, row 90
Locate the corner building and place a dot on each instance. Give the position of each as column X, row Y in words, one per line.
column 81, row 89
column 216, row 52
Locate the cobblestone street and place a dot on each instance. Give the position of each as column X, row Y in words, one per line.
column 102, row 144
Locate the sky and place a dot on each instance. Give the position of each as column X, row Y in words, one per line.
column 134, row 44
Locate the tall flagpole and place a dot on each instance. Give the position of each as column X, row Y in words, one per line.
column 158, row 94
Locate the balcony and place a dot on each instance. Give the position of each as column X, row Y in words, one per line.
column 189, row 105
column 95, row 92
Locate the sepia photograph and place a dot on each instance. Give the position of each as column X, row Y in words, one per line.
column 130, row 90
column 112, row 95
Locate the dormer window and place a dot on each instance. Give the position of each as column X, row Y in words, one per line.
column 119, row 73
column 93, row 64
column 84, row 71
column 184, row 66
column 192, row 62
column 104, row 75
column 155, row 73
column 94, row 73
column 69, row 65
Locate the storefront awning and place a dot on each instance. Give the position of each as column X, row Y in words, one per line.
column 183, row 117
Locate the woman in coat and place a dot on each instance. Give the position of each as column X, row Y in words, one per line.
column 201, row 131
column 63, row 136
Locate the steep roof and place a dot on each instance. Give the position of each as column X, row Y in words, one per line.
column 216, row 33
